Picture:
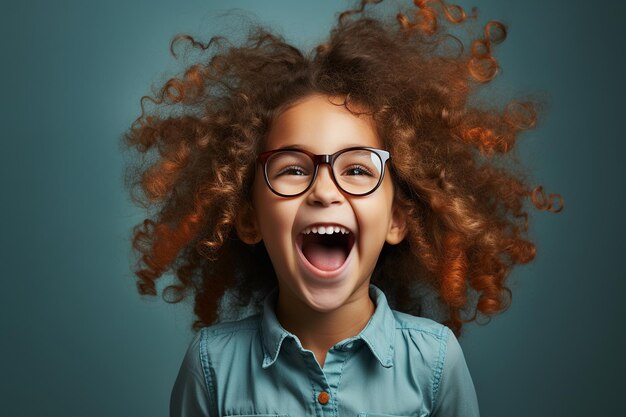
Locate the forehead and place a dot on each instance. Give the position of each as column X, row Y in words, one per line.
column 321, row 126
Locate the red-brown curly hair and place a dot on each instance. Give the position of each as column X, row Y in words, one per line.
column 197, row 152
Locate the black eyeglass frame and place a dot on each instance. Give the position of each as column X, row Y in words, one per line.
column 323, row 159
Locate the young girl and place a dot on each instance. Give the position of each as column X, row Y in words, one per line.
column 319, row 192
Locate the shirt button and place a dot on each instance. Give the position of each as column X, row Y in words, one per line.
column 323, row 398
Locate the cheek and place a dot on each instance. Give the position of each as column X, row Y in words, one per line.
column 274, row 215
column 375, row 213
column 383, row 198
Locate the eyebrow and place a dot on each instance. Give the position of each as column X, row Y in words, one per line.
column 306, row 148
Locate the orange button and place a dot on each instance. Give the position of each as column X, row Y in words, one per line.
column 323, row 398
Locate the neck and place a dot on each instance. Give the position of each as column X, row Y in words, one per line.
column 319, row 331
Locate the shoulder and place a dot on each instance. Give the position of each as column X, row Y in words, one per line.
column 195, row 388
column 439, row 351
column 214, row 337
column 229, row 333
column 426, row 343
column 243, row 326
column 219, row 336
column 414, row 324
column 427, row 335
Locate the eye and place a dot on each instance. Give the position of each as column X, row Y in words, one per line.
column 357, row 170
column 292, row 170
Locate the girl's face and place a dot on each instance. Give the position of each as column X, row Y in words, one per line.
column 324, row 272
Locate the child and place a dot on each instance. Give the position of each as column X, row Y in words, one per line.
column 318, row 192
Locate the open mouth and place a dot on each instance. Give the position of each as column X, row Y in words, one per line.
column 326, row 247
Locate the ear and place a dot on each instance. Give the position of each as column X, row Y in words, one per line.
column 247, row 226
column 397, row 228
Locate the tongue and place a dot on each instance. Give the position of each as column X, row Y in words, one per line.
column 326, row 258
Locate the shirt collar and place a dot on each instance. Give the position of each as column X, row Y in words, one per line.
column 378, row 334
column 272, row 333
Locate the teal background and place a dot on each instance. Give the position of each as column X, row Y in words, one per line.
column 76, row 339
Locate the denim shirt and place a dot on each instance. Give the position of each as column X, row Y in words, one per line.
column 398, row 365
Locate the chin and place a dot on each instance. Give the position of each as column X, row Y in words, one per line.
column 325, row 300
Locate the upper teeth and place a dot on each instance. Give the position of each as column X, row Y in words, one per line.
column 326, row 230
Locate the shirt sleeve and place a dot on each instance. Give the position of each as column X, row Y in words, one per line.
column 190, row 396
column 456, row 395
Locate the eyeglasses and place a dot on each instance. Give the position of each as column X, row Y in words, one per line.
column 356, row 171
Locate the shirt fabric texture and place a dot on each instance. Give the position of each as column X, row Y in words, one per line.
column 398, row 365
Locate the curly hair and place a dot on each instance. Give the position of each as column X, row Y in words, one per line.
column 467, row 223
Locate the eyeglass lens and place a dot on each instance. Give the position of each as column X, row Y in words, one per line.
column 356, row 171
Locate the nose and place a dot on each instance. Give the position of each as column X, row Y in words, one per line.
column 324, row 191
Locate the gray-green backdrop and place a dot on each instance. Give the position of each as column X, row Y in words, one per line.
column 77, row 340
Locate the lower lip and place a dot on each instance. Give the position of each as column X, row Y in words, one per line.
column 321, row 274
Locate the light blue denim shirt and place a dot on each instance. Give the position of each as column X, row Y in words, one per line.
column 398, row 365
